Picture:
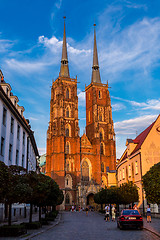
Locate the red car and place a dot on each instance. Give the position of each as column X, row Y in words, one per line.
column 130, row 218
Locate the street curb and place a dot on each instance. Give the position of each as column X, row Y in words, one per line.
column 157, row 234
column 45, row 230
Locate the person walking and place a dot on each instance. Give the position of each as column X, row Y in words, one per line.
column 113, row 213
column 148, row 214
column 87, row 209
column 107, row 209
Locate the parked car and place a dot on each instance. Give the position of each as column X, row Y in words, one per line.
column 130, row 218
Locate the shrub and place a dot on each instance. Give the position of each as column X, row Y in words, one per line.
column 32, row 225
column 12, row 231
column 44, row 221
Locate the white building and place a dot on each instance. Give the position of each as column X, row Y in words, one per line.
column 17, row 142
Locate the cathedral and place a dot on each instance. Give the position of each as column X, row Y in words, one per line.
column 80, row 165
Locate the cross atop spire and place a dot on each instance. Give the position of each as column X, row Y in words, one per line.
column 95, row 68
column 64, row 71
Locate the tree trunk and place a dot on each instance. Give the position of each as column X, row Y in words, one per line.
column 40, row 214
column 53, row 208
column 10, row 214
column 30, row 214
column 101, row 206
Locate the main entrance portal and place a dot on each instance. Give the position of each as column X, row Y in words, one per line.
column 90, row 200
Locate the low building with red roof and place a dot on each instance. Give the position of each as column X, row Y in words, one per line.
column 139, row 156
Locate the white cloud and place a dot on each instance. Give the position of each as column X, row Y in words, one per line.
column 5, row 45
column 136, row 47
column 118, row 107
column 55, row 45
column 81, row 98
column 42, row 151
column 58, row 4
column 135, row 125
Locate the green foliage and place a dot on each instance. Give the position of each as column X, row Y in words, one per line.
column 32, row 225
column 128, row 193
column 12, row 231
column 125, row 194
column 151, row 184
column 4, row 175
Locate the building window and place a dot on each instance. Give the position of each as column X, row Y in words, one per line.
column 10, row 152
column 67, row 148
column 102, row 167
column 17, row 157
column 22, row 160
column 67, row 112
column 67, row 132
column 18, row 132
column 101, row 148
column 107, row 169
column 67, row 93
column 100, row 94
column 12, row 125
column 101, row 134
column 4, row 116
column 85, row 171
column 89, row 116
column 136, row 167
column 67, row 199
column 23, row 138
column 2, row 146
column 123, row 174
column 14, row 102
column 120, row 177
column 129, row 170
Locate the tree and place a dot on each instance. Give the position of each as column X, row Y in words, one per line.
column 4, row 175
column 128, row 193
column 151, row 184
column 17, row 189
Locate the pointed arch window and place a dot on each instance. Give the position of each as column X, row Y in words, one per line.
column 100, row 94
column 67, row 131
column 100, row 117
column 67, row 112
column 67, row 93
column 67, row 198
column 101, row 148
column 101, row 134
column 89, row 116
column 102, row 167
column 85, row 171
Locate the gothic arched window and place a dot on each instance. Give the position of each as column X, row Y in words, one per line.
column 101, row 134
column 67, row 198
column 67, row 93
column 102, row 167
column 99, row 94
column 67, row 132
column 85, row 171
column 101, row 148
column 67, row 112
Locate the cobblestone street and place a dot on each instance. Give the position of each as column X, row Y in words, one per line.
column 77, row 226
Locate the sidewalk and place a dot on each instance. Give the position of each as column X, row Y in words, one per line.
column 154, row 226
column 32, row 233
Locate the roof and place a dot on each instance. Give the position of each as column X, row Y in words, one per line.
column 141, row 137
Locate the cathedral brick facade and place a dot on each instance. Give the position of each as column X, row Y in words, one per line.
column 80, row 165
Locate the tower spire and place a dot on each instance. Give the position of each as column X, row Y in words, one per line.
column 64, row 71
column 95, row 68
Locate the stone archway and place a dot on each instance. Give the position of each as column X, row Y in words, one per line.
column 90, row 200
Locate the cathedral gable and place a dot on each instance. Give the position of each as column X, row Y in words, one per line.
column 85, row 143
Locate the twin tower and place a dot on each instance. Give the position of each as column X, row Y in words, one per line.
column 80, row 165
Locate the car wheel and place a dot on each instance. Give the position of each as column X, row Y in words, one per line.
column 141, row 228
column 117, row 225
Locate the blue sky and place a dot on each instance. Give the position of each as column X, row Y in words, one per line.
column 128, row 39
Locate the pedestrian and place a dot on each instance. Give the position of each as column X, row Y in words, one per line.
column 107, row 209
column 113, row 213
column 72, row 208
column 148, row 214
column 135, row 207
column 87, row 209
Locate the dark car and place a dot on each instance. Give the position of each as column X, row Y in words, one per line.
column 130, row 218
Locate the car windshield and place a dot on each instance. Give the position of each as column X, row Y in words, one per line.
column 130, row 212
